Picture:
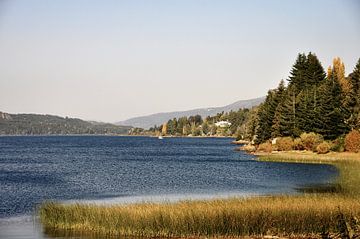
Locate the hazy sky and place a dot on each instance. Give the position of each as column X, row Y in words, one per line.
column 111, row 60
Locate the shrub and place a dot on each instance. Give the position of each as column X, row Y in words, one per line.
column 284, row 144
column 311, row 140
column 265, row 147
column 338, row 145
column 323, row 148
column 352, row 141
column 298, row 144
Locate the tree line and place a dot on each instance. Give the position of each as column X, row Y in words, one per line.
column 326, row 103
column 196, row 125
column 311, row 99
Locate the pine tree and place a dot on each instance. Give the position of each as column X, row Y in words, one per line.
column 354, row 108
column 275, row 128
column 355, row 78
column 251, row 124
column 267, row 112
column 308, row 110
column 182, row 121
column 285, row 117
column 314, row 72
column 298, row 73
column 307, row 98
column 331, row 111
column 280, row 95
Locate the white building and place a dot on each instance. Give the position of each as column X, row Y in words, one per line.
column 223, row 124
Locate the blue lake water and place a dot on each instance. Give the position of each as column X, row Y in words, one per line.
column 106, row 169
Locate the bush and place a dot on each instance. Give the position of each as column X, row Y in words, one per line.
column 338, row 145
column 323, row 148
column 265, row 147
column 311, row 140
column 352, row 141
column 298, row 144
column 284, row 144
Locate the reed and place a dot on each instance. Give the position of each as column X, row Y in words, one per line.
column 276, row 215
column 305, row 214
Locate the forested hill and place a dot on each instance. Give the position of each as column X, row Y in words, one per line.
column 34, row 124
column 158, row 119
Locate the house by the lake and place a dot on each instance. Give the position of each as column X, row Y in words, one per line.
column 223, row 124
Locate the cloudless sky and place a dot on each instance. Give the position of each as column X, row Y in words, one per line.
column 112, row 60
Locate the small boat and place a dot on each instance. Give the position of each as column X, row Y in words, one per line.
column 160, row 137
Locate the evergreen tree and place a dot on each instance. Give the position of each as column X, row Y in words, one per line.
column 266, row 116
column 267, row 112
column 331, row 111
column 251, row 124
column 307, row 99
column 307, row 108
column 205, row 128
column 285, row 116
column 298, row 73
column 354, row 107
column 171, row 127
column 314, row 72
column 196, row 120
column 182, row 122
column 355, row 78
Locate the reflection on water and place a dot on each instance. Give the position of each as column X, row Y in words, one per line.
column 320, row 188
column 107, row 170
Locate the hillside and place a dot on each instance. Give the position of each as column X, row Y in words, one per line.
column 157, row 119
column 34, row 124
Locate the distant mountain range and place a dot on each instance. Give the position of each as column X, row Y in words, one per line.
column 157, row 119
column 35, row 124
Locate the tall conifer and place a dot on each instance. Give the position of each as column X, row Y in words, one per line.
column 331, row 110
column 354, row 78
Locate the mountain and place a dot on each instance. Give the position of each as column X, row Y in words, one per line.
column 35, row 124
column 157, row 119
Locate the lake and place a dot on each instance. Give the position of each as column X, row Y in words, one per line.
column 109, row 169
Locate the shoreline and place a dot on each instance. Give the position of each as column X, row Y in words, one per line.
column 110, row 135
column 256, row 217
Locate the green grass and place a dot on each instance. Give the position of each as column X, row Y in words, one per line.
column 307, row 214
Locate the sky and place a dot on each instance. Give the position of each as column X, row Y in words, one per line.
column 113, row 60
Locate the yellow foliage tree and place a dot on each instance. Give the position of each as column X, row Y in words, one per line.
column 338, row 69
column 164, row 129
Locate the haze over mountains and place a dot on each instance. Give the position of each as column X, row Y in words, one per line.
column 159, row 118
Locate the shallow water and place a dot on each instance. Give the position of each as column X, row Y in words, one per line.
column 105, row 169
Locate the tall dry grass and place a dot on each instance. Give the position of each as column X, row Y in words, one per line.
column 306, row 214
column 280, row 215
